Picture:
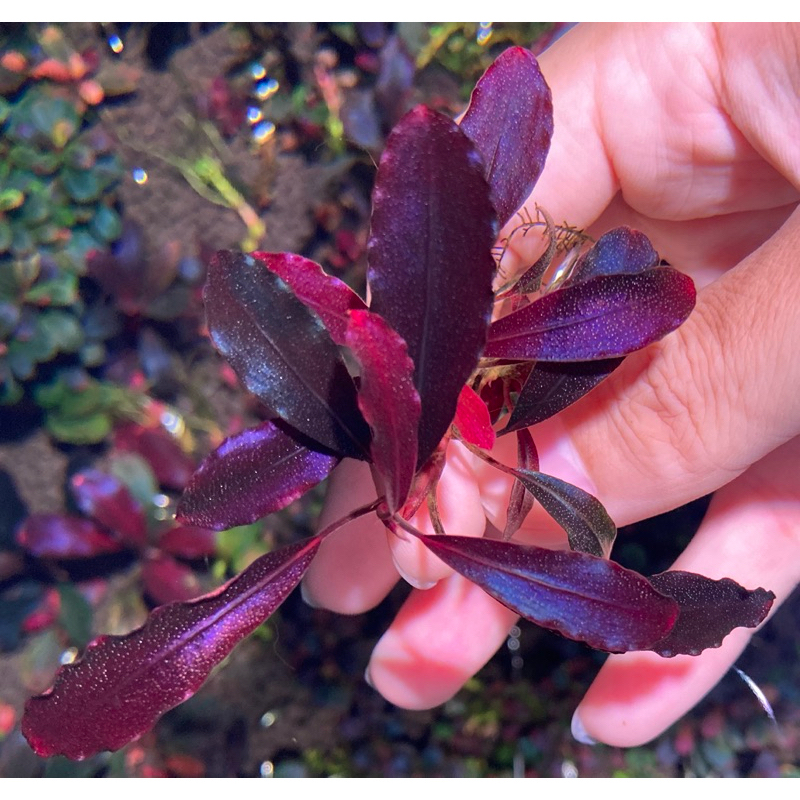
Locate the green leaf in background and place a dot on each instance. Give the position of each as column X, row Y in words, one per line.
column 63, row 329
column 87, row 430
column 75, row 615
column 61, row 290
column 81, row 185
column 11, row 198
column 106, row 224
column 55, row 117
column 137, row 476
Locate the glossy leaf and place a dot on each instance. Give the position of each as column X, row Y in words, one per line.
column 620, row 251
column 604, row 317
column 123, row 684
column 520, row 502
column 250, row 475
column 430, row 264
column 552, row 387
column 472, row 419
column 329, row 297
column 106, row 499
column 510, row 119
column 582, row 597
column 283, row 353
column 388, row 401
column 63, row 536
column 188, row 541
column 710, row 610
column 589, row 527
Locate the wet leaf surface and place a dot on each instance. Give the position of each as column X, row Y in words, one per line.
column 552, row 387
column 250, row 475
column 604, row 317
column 430, row 264
column 710, row 610
column 580, row 596
column 123, row 684
column 329, row 297
column 283, row 353
column 510, row 119
column 388, row 401
column 589, row 527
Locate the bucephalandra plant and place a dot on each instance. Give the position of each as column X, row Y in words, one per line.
column 431, row 366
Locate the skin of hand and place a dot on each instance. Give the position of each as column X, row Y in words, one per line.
column 688, row 133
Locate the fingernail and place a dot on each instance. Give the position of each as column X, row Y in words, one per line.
column 416, row 583
column 368, row 678
column 579, row 732
column 307, row 599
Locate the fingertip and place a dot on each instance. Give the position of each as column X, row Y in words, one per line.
column 440, row 638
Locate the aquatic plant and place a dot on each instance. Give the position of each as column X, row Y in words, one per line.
column 426, row 365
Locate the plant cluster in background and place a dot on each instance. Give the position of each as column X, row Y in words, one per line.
column 58, row 174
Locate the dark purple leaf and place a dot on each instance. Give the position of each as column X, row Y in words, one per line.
column 605, row 317
column 551, row 387
column 127, row 275
column 329, row 297
column 582, row 597
column 472, row 419
column 395, row 80
column 521, row 500
column 62, row 536
column 171, row 466
column 123, row 684
column 106, row 499
column 388, row 401
column 283, row 353
column 510, row 119
column 188, row 541
column 620, row 251
column 167, row 581
column 588, row 525
column 251, row 474
column 430, row 262
column 710, row 610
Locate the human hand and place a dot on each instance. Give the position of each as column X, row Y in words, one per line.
column 687, row 133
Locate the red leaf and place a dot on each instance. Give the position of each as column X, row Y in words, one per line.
column 510, row 119
column 580, row 596
column 521, row 500
column 551, row 387
column 604, row 317
column 329, row 297
column 283, row 353
column 388, row 401
column 107, row 500
column 62, row 536
column 167, row 581
column 251, row 474
column 620, row 251
column 123, row 684
column 171, row 466
column 710, row 610
column 430, row 263
column 589, row 527
column 472, row 419
column 188, row 541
